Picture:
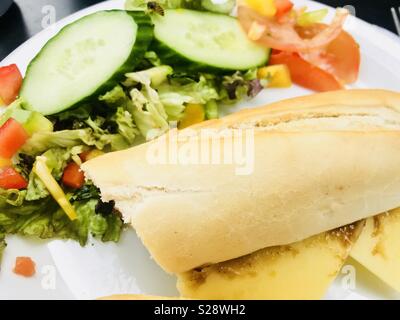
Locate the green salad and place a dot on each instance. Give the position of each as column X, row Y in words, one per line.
column 107, row 82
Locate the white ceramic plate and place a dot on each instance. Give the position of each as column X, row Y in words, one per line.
column 67, row 271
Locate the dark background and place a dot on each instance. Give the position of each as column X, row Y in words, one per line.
column 23, row 20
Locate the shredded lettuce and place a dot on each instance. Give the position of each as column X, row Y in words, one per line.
column 220, row 6
column 45, row 219
column 156, row 76
column 148, row 111
column 126, row 125
column 199, row 91
column 240, row 86
column 114, row 98
column 174, row 104
column 104, row 138
column 42, row 141
column 99, row 138
column 166, row 4
column 36, row 189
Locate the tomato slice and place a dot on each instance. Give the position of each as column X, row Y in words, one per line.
column 10, row 83
column 12, row 137
column 282, row 8
column 282, row 35
column 304, row 73
column 11, row 179
column 341, row 57
column 73, row 177
column 24, row 266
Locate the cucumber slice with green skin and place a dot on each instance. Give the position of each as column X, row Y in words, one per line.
column 86, row 59
column 204, row 41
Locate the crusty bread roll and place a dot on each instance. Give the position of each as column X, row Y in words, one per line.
column 320, row 162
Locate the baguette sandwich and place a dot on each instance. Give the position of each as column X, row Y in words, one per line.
column 318, row 163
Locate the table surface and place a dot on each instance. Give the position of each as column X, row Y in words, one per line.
column 24, row 18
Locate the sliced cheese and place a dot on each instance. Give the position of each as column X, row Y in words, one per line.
column 303, row 270
column 378, row 247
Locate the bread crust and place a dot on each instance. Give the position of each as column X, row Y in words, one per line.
column 320, row 162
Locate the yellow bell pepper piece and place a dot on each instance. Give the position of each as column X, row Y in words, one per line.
column 265, row 7
column 42, row 171
column 5, row 162
column 194, row 113
column 277, row 76
column 2, row 102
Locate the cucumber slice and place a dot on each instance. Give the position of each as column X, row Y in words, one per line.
column 86, row 59
column 220, row 6
column 205, row 41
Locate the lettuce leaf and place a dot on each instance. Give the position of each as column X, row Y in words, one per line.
column 181, row 90
column 42, row 141
column 147, row 109
column 174, row 104
column 105, row 139
column 36, row 189
column 126, row 125
column 240, row 86
column 153, row 76
column 199, row 90
column 220, row 6
column 166, row 4
column 163, row 97
column 46, row 220
column 115, row 98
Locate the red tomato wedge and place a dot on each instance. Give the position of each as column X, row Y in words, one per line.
column 341, row 56
column 24, row 266
column 306, row 74
column 11, row 179
column 12, row 137
column 10, row 83
column 73, row 177
column 282, row 7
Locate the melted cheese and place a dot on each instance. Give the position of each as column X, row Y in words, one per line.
column 303, row 270
column 378, row 248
